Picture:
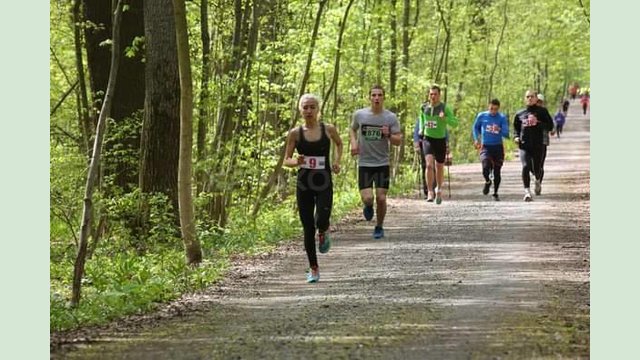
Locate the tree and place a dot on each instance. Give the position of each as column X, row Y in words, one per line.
column 187, row 219
column 85, row 227
column 159, row 150
column 129, row 94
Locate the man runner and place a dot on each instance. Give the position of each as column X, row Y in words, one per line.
column 489, row 128
column 372, row 130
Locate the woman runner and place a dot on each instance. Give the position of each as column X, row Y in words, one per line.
column 314, row 189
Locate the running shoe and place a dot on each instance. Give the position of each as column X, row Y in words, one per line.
column 538, row 188
column 438, row 196
column 496, row 197
column 486, row 188
column 378, row 232
column 527, row 196
column 367, row 211
column 313, row 275
column 324, row 242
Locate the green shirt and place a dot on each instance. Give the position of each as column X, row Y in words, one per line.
column 432, row 125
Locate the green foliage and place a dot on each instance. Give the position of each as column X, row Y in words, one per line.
column 127, row 284
column 125, row 211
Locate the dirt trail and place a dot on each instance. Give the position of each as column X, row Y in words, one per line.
column 471, row 278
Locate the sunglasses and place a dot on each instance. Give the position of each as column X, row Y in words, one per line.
column 529, row 96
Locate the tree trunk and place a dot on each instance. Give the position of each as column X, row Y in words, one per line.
column 187, row 219
column 129, row 93
column 85, row 227
column 85, row 120
column 336, row 68
column 495, row 55
column 404, row 109
column 393, row 61
column 159, row 151
column 203, row 117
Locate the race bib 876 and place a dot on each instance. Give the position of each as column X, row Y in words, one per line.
column 372, row 132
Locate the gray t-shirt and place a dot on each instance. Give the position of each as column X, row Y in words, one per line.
column 374, row 149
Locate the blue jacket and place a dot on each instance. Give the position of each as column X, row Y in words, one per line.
column 491, row 128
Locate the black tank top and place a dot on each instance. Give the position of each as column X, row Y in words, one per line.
column 318, row 176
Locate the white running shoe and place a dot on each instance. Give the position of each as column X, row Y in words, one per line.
column 527, row 195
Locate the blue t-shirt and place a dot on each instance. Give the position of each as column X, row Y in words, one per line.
column 492, row 128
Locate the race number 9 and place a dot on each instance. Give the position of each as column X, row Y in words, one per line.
column 312, row 163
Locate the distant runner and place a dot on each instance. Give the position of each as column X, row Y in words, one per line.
column 489, row 128
column 528, row 124
column 434, row 119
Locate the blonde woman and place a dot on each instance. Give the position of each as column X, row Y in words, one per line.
column 314, row 190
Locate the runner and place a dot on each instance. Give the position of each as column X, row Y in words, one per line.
column 372, row 129
column 584, row 100
column 489, row 128
column 434, row 119
column 314, row 189
column 528, row 124
column 559, row 119
column 418, row 147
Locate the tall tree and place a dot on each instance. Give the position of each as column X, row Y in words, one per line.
column 187, row 219
column 85, row 226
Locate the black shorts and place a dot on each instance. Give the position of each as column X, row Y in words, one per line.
column 367, row 175
column 493, row 153
column 435, row 147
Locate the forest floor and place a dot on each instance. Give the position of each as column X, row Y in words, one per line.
column 470, row 278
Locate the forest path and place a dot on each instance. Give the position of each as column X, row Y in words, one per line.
column 470, row 278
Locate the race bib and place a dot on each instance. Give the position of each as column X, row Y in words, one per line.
column 492, row 129
column 313, row 162
column 530, row 120
column 431, row 124
column 371, row 132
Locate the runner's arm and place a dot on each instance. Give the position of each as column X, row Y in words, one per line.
column 451, row 119
column 289, row 161
column 477, row 128
column 333, row 134
column 517, row 126
column 547, row 121
column 396, row 136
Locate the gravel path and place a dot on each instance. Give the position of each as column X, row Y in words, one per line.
column 471, row 278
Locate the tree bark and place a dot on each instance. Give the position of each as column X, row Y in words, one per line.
column 159, row 150
column 203, row 117
column 192, row 248
column 85, row 227
column 393, row 61
column 85, row 119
